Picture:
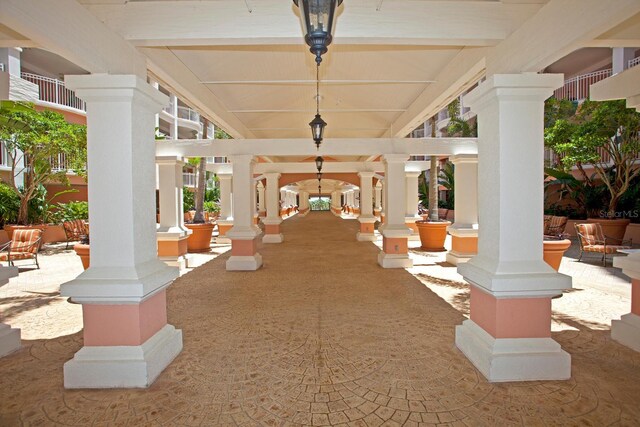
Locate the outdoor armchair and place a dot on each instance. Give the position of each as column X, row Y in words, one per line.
column 75, row 230
column 24, row 244
column 554, row 225
column 593, row 240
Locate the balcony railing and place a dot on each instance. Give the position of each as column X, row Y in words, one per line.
column 633, row 62
column 188, row 179
column 187, row 113
column 5, row 161
column 577, row 88
column 54, row 91
column 216, row 160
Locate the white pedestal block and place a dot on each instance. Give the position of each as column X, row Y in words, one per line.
column 244, row 263
column 366, row 237
column 512, row 359
column 394, row 260
column 123, row 366
column 626, row 331
column 9, row 339
column 273, row 238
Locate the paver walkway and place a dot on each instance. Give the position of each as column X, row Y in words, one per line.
column 322, row 335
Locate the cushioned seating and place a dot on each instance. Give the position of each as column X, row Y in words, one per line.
column 24, row 244
column 593, row 240
column 554, row 225
column 75, row 230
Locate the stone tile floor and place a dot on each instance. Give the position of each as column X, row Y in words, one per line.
column 319, row 336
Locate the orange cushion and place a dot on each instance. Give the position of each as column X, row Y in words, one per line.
column 16, row 255
column 23, row 240
column 609, row 249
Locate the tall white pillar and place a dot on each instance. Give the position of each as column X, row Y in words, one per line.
column 464, row 231
column 620, row 58
column 366, row 219
column 411, row 204
column 127, row 341
column 627, row 330
column 173, row 126
column 395, row 233
column 262, row 206
column 273, row 219
column 225, row 222
column 377, row 204
column 244, row 233
column 304, row 203
column 508, row 337
column 172, row 234
column 9, row 337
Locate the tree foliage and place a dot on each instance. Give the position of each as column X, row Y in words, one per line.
column 33, row 138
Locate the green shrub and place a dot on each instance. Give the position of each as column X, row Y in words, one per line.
column 9, row 204
column 70, row 211
column 211, row 207
column 188, row 200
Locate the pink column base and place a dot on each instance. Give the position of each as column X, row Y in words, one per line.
column 511, row 317
column 395, row 245
column 126, row 325
column 367, row 227
column 244, row 247
column 272, row 229
column 635, row 296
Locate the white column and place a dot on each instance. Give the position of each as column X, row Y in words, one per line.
column 273, row 219
column 366, row 219
column 464, row 231
column 377, row 208
column 411, row 213
column 9, row 337
column 304, row 203
column 627, row 330
column 244, row 233
column 225, row 222
column 262, row 206
column 254, row 200
column 127, row 341
column 173, row 126
column 620, row 58
column 395, row 251
column 356, row 199
column 172, row 234
column 508, row 337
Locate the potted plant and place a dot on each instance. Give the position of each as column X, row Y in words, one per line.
column 604, row 137
column 433, row 231
column 554, row 248
column 83, row 250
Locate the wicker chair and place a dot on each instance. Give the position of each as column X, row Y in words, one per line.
column 24, row 244
column 593, row 240
column 75, row 230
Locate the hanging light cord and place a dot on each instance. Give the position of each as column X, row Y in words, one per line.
column 318, row 89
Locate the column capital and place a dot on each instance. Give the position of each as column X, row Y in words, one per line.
column 170, row 160
column 366, row 174
column 115, row 88
column 464, row 158
column 412, row 174
column 272, row 175
column 395, row 158
column 242, row 158
column 523, row 86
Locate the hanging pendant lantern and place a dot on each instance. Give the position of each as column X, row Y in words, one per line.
column 317, row 129
column 318, row 21
column 319, row 163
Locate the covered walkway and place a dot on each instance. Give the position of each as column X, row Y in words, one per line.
column 321, row 335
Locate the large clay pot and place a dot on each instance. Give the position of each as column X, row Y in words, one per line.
column 200, row 238
column 9, row 228
column 554, row 250
column 83, row 252
column 432, row 235
column 612, row 227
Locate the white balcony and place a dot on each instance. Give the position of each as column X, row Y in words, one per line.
column 577, row 88
column 189, row 179
column 53, row 91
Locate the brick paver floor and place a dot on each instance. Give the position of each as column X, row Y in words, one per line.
column 323, row 336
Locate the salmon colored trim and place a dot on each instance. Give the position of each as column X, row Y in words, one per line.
column 243, row 247
column 172, row 248
column 511, row 318
column 464, row 245
column 290, row 178
column 635, row 296
column 395, row 245
column 366, row 227
column 131, row 324
column 272, row 229
column 222, row 229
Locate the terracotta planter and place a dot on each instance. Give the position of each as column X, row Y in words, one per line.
column 83, row 252
column 200, row 238
column 612, row 227
column 432, row 235
column 10, row 227
column 554, row 250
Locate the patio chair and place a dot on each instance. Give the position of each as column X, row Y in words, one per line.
column 593, row 240
column 75, row 230
column 24, row 244
column 554, row 225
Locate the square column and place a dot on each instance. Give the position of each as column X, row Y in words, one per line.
column 9, row 337
column 508, row 337
column 262, row 206
column 627, row 330
column 377, row 199
column 225, row 222
column 412, row 200
column 464, row 231
column 172, row 234
column 395, row 233
column 304, row 203
column 366, row 218
column 244, row 233
column 127, row 341
column 273, row 219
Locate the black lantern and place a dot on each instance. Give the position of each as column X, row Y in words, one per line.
column 319, row 162
column 319, row 176
column 317, row 129
column 318, row 21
